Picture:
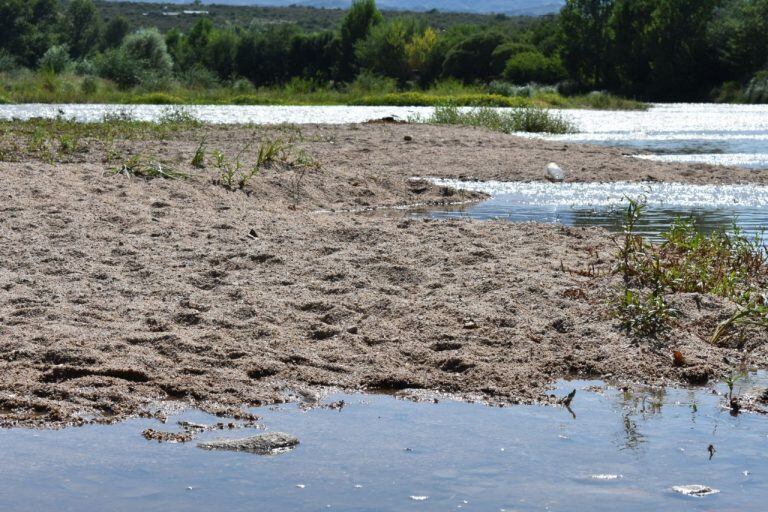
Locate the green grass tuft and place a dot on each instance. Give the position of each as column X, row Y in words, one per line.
column 520, row 119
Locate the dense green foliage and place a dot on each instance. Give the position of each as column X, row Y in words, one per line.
column 664, row 49
column 654, row 49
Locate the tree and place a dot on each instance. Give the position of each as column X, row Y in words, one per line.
column 362, row 16
column 315, row 56
column 384, row 51
column 82, row 26
column 661, row 46
column 115, row 31
column 534, row 66
column 29, row 28
column 421, row 50
column 220, row 53
column 471, row 60
column 586, row 40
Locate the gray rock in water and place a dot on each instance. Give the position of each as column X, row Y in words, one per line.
column 695, row 490
column 263, row 444
column 554, row 172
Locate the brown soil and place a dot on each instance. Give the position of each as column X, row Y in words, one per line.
column 118, row 292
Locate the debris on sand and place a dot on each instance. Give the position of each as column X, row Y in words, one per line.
column 263, row 444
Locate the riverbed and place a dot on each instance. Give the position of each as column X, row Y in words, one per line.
column 691, row 133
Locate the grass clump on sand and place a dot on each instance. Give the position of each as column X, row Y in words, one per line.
column 139, row 167
column 278, row 154
column 65, row 140
column 731, row 265
column 521, row 119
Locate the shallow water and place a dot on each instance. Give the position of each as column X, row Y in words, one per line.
column 697, row 133
column 693, row 133
column 603, row 204
column 622, row 451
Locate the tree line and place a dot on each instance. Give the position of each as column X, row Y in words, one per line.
column 650, row 49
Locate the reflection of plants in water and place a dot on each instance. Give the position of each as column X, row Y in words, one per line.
column 641, row 405
column 632, row 436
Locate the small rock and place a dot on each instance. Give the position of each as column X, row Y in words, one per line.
column 263, row 444
column 554, row 172
column 407, row 138
column 697, row 491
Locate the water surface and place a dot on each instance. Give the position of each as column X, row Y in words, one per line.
column 711, row 207
column 618, row 451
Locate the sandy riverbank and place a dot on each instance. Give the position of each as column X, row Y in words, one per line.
column 115, row 292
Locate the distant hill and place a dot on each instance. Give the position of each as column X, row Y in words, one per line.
column 511, row 7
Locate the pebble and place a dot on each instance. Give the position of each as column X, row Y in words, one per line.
column 554, row 172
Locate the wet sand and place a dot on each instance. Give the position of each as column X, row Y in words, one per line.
column 118, row 292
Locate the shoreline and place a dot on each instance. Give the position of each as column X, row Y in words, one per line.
column 120, row 291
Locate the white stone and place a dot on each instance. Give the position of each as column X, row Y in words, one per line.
column 554, row 172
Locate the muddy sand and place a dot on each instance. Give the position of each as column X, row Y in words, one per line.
column 118, row 292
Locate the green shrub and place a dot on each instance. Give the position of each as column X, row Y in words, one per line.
column 529, row 67
column 728, row 265
column 368, row 82
column 757, row 89
column 420, row 99
column 522, row 119
column 198, row 77
column 84, row 67
column 148, row 47
column 252, row 99
column 506, row 51
column 55, row 59
column 142, row 59
column 524, row 91
column 89, row 86
column 7, row 61
column 156, row 98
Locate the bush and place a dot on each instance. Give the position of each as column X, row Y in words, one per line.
column 89, row 86
column 142, row 59
column 757, row 89
column 420, row 99
column 243, row 85
column 529, row 67
column 84, row 67
column 522, row 119
column 251, row 99
column 7, row 61
column 156, row 98
column 523, row 91
column 198, row 77
column 55, row 59
column 147, row 46
column 503, row 53
column 368, row 82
